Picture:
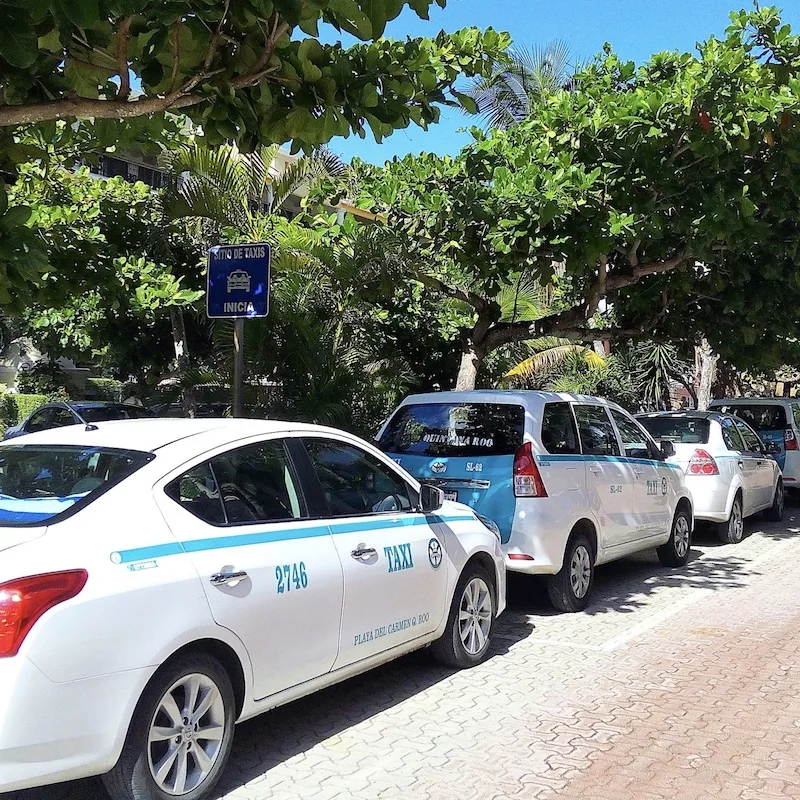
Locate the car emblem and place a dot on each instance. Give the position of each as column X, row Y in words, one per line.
column 438, row 467
column 435, row 553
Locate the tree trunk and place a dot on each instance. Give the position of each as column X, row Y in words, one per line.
column 473, row 351
column 706, row 359
column 182, row 357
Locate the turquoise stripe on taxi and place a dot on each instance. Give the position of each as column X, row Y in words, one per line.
column 266, row 537
column 543, row 459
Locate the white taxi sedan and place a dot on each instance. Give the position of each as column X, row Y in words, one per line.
column 161, row 580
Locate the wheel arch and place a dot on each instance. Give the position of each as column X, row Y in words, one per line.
column 586, row 527
column 486, row 562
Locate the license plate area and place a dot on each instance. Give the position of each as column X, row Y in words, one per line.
column 450, row 494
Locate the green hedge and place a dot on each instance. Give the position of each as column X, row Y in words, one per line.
column 104, row 389
column 16, row 407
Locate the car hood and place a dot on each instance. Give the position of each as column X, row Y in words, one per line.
column 13, row 432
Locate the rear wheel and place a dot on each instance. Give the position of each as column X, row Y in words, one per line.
column 180, row 736
column 569, row 587
column 775, row 512
column 732, row 531
column 675, row 553
column 467, row 637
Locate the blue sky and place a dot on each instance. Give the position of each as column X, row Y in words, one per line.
column 635, row 28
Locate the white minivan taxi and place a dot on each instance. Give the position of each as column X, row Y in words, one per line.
column 571, row 481
column 162, row 579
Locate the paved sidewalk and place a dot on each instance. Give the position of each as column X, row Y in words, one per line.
column 673, row 684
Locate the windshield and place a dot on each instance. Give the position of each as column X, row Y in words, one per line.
column 455, row 429
column 681, row 430
column 760, row 417
column 40, row 483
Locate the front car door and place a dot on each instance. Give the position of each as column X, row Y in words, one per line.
column 609, row 482
column 270, row 573
column 650, row 496
column 40, row 420
column 395, row 569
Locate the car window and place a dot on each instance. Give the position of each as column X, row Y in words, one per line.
column 62, row 417
column 258, row 484
column 751, row 441
column 796, row 414
column 197, row 491
column 596, row 431
column 354, row 482
column 102, row 413
column 40, row 421
column 132, row 412
column 732, row 437
column 680, row 430
column 634, row 440
column 41, row 483
column 465, row 430
column 559, row 434
column 759, row 416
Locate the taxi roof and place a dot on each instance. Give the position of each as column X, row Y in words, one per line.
column 149, row 435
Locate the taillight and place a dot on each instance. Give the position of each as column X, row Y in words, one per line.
column 702, row 464
column 527, row 478
column 24, row 600
column 789, row 440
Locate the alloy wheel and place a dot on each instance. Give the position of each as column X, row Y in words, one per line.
column 580, row 571
column 475, row 616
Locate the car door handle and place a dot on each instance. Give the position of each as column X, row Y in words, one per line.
column 360, row 553
column 221, row 578
column 741, row 464
column 638, row 473
column 595, row 470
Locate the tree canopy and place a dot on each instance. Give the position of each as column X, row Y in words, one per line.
column 671, row 191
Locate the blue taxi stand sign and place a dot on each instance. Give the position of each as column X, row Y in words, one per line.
column 238, row 281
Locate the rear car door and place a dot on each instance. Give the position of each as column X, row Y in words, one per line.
column 756, row 467
column 609, row 482
column 270, row 573
column 650, row 491
column 395, row 570
column 466, row 448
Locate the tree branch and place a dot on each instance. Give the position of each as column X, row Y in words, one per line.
column 470, row 298
column 122, row 59
column 620, row 281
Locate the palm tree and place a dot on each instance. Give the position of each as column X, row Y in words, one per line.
column 506, row 97
column 546, row 354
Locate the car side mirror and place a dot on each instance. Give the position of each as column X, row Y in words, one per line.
column 771, row 449
column 667, row 448
column 430, row 498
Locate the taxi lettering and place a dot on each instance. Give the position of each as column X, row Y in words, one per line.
column 399, row 557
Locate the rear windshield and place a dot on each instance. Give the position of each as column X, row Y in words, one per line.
column 758, row 417
column 42, row 483
column 455, row 430
column 681, row 430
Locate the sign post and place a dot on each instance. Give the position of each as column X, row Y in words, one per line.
column 238, row 289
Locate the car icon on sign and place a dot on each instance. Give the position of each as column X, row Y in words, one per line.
column 239, row 280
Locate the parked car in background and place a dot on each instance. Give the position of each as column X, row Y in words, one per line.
column 201, row 410
column 776, row 420
column 571, row 481
column 731, row 473
column 182, row 575
column 58, row 415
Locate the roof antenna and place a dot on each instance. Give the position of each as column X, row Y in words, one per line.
column 90, row 427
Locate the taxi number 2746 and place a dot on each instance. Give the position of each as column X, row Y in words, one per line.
column 291, row 576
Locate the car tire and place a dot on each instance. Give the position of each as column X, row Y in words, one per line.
column 467, row 636
column 570, row 587
column 732, row 531
column 183, row 687
column 775, row 512
column 675, row 553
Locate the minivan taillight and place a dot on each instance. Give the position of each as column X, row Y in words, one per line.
column 702, row 464
column 789, row 440
column 24, row 600
column 527, row 478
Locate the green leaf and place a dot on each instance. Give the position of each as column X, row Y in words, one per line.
column 83, row 13
column 18, row 43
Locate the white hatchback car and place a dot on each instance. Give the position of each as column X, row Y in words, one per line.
column 162, row 579
column 571, row 481
column 730, row 472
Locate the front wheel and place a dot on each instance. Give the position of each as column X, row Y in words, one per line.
column 569, row 588
column 675, row 553
column 775, row 512
column 180, row 736
column 466, row 638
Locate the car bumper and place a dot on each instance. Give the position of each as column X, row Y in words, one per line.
column 52, row 732
column 538, row 539
column 710, row 497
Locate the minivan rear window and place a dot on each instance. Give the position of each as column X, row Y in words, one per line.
column 760, row 417
column 681, row 430
column 43, row 483
column 455, row 430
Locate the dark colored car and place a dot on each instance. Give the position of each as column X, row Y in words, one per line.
column 56, row 415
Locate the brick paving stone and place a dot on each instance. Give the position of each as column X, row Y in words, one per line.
column 673, row 684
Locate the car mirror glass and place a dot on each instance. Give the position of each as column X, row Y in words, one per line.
column 431, row 498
